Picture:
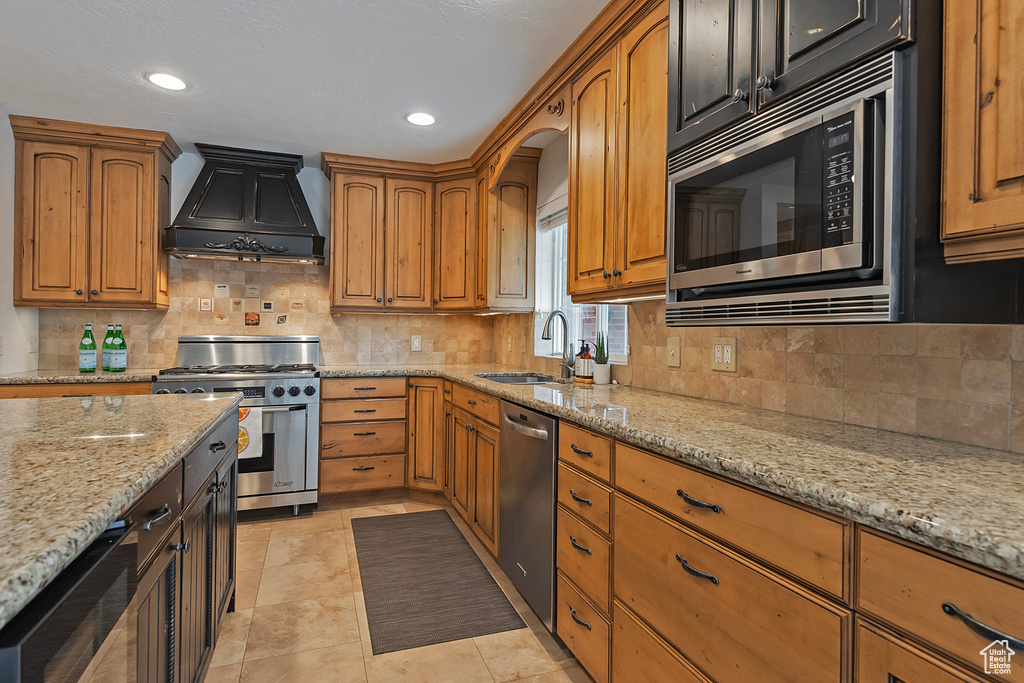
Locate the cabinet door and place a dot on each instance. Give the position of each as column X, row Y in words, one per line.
column 408, row 243
column 462, row 483
column 52, row 219
column 643, row 89
column 426, row 434
column 884, row 658
column 357, row 241
column 152, row 621
column 802, row 40
column 121, row 226
column 483, row 201
column 225, row 537
column 485, row 484
column 455, row 228
column 592, row 177
column 983, row 132
column 711, row 62
column 512, row 214
column 195, row 627
column 449, row 450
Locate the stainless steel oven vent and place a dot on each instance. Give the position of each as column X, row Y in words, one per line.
column 854, row 308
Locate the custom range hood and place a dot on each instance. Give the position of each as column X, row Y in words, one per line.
column 246, row 205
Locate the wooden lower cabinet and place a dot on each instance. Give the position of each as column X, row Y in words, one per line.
column 471, row 454
column 362, row 474
column 583, row 628
column 426, row 459
column 638, row 654
column 76, row 389
column 737, row 621
column 460, row 448
column 226, row 540
column 152, row 621
column 449, row 460
column 883, row 657
column 195, row 626
column 585, row 556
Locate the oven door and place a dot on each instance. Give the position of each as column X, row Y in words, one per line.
column 282, row 466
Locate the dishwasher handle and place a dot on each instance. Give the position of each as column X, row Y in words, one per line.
column 533, row 432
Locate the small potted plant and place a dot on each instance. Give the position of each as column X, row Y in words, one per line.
column 602, row 370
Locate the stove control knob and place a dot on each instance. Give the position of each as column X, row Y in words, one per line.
column 163, row 391
column 197, row 390
column 181, row 391
column 294, row 391
column 279, row 391
column 310, row 390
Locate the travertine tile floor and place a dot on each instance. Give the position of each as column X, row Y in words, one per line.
column 300, row 616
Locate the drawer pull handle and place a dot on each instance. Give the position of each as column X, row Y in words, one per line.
column 696, row 572
column 580, row 451
column 572, row 613
column 363, row 433
column 471, row 402
column 986, row 632
column 572, row 539
column 698, row 503
column 362, row 469
column 366, row 410
column 578, row 499
column 163, row 514
column 327, row 446
column 447, row 391
column 219, row 446
column 364, row 388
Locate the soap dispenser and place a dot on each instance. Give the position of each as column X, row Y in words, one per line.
column 585, row 364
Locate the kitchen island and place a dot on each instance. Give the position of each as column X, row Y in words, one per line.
column 72, row 466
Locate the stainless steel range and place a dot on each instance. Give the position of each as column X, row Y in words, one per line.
column 279, row 421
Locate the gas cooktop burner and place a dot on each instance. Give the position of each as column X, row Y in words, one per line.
column 239, row 369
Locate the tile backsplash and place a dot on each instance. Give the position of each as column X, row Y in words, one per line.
column 300, row 292
column 952, row 382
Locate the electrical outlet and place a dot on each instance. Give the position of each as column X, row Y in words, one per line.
column 672, row 350
column 415, row 342
column 723, row 351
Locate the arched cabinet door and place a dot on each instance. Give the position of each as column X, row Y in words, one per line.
column 408, row 243
column 357, row 241
column 455, row 218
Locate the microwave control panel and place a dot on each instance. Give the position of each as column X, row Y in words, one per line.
column 839, row 148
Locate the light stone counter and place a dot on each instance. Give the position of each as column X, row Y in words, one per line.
column 68, row 468
column 76, row 377
column 963, row 500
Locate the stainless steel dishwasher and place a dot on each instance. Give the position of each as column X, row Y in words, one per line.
column 526, row 550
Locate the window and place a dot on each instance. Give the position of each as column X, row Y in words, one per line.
column 585, row 320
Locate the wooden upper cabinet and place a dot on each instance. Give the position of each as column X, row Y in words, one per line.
column 357, row 241
column 592, row 147
column 512, row 235
column 483, row 199
column 983, row 131
column 643, row 92
column 712, row 59
column 455, row 227
column 801, row 40
column 408, row 243
column 91, row 206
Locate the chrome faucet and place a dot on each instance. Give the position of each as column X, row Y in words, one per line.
column 568, row 357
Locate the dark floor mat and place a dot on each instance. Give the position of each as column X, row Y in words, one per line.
column 423, row 584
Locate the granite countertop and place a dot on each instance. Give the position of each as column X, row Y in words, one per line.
column 68, row 468
column 963, row 500
column 76, row 377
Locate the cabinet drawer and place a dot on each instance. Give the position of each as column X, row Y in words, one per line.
column 362, row 438
column 807, row 545
column 204, row 458
column 586, row 450
column 639, row 655
column 884, row 658
column 366, row 387
column 159, row 508
column 739, row 622
column 483, row 406
column 587, row 635
column 362, row 474
column 583, row 555
column 588, row 499
column 363, row 410
column 908, row 588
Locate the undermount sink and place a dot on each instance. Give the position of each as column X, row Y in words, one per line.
column 519, row 379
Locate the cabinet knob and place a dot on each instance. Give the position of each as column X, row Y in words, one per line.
column 183, row 547
column 607, row 275
column 616, row 272
column 78, row 292
column 94, row 292
column 379, row 299
column 389, row 299
column 765, row 82
column 739, row 96
column 435, row 302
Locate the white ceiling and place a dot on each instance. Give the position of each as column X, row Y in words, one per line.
column 300, row 76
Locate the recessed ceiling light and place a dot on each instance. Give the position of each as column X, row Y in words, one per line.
column 420, row 119
column 166, row 81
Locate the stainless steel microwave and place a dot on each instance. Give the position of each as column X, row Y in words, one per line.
column 797, row 202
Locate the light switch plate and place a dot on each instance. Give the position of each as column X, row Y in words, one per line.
column 723, row 354
column 672, row 353
column 415, row 342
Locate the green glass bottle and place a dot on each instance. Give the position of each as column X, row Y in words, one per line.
column 108, row 345
column 87, row 351
column 119, row 352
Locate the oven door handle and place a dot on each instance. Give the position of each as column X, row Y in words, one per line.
column 283, row 409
